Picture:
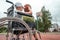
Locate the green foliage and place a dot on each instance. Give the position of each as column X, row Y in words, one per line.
column 3, row 29
column 46, row 20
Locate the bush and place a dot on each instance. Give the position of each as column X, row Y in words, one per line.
column 3, row 30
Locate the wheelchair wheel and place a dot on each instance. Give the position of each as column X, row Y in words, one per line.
column 4, row 20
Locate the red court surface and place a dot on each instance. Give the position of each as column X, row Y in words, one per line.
column 44, row 36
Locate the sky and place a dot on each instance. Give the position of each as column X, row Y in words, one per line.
column 52, row 5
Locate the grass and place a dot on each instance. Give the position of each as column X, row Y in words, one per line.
column 56, row 33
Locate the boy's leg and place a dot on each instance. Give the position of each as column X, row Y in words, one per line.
column 35, row 34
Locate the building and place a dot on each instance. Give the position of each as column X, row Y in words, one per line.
column 55, row 27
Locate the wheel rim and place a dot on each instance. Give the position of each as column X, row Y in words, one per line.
column 6, row 19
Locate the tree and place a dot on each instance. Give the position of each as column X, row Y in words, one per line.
column 3, row 30
column 46, row 20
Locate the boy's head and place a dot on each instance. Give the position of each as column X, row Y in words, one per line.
column 19, row 6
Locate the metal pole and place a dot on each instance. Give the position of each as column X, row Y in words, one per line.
column 37, row 23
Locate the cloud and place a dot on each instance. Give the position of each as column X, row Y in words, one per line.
column 54, row 7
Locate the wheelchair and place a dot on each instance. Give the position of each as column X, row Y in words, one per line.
column 17, row 30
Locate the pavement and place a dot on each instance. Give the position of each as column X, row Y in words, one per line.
column 44, row 36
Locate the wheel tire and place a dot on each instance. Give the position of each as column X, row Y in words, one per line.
column 17, row 20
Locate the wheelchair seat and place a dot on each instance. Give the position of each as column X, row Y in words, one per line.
column 18, row 28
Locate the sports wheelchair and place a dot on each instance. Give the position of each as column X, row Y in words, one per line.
column 17, row 30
